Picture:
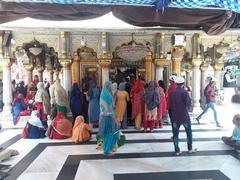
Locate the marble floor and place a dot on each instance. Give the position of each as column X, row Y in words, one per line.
column 144, row 156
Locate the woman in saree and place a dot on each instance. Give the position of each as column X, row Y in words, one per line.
column 122, row 98
column 42, row 102
column 137, row 93
column 107, row 125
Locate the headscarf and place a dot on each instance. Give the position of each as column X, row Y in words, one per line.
column 60, row 95
column 42, row 97
column 34, row 120
column 137, row 87
column 122, row 86
column 20, row 96
column 75, row 89
column 106, row 100
column 151, row 96
column 162, row 85
column 114, row 88
column 107, row 110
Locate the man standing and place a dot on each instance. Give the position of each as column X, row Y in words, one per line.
column 179, row 102
column 210, row 93
column 229, row 83
column 171, row 87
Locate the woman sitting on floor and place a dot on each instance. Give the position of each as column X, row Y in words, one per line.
column 18, row 107
column 61, row 127
column 34, row 128
column 234, row 140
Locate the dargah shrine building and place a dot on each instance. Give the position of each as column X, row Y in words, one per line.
column 84, row 41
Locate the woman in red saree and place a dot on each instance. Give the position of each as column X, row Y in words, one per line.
column 137, row 94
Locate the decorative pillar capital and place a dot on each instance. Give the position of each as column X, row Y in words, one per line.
column 178, row 53
column 40, row 69
column 6, row 64
column 204, row 67
column 148, row 57
column 218, row 66
column 196, row 62
column 160, row 62
column 162, row 35
column 104, row 62
column 28, row 67
column 66, row 63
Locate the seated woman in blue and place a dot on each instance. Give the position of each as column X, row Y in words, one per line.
column 34, row 128
column 234, row 140
column 18, row 107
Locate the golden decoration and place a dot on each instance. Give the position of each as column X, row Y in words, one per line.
column 104, row 62
column 65, row 63
column 196, row 62
column 141, row 70
column 218, row 66
column 160, row 62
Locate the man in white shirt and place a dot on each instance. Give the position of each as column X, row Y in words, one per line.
column 229, row 83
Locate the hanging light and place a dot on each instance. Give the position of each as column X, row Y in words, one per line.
column 132, row 51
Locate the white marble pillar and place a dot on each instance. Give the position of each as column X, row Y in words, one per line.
column 7, row 89
column 159, row 73
column 217, row 74
column 29, row 70
column 196, row 77
column 105, row 75
column 188, row 78
column 196, row 84
column 105, row 64
column 67, row 79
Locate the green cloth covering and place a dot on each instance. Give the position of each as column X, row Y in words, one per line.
column 61, row 109
column 121, row 140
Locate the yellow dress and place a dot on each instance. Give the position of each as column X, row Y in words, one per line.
column 121, row 104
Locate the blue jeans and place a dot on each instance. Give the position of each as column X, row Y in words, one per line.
column 212, row 106
column 188, row 130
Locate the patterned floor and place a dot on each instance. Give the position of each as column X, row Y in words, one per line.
column 144, row 156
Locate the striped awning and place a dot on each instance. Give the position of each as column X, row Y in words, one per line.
column 233, row 5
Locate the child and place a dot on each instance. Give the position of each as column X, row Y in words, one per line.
column 234, row 140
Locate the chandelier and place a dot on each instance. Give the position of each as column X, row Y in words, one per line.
column 36, row 49
column 132, row 52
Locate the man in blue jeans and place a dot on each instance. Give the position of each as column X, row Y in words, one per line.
column 180, row 101
column 210, row 93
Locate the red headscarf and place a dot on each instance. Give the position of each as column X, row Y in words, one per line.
column 137, row 87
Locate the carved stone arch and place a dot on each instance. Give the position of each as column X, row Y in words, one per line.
column 38, row 55
column 87, row 54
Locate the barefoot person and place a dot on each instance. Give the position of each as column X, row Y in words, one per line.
column 179, row 102
column 108, row 130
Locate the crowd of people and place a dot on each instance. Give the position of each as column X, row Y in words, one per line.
column 111, row 108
